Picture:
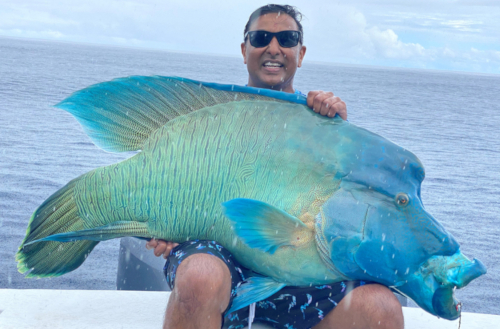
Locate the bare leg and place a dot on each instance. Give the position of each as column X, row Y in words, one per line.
column 366, row 307
column 201, row 294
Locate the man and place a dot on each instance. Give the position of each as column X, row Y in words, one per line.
column 203, row 275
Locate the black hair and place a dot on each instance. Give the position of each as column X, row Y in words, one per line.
column 280, row 9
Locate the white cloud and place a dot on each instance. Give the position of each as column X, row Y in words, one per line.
column 448, row 53
column 463, row 25
column 452, row 25
column 350, row 37
column 387, row 44
column 485, row 56
column 493, row 3
column 16, row 16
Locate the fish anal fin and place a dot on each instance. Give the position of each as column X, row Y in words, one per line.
column 102, row 233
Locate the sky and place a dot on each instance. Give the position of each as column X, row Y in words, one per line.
column 457, row 35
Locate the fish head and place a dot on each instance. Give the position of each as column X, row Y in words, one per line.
column 375, row 228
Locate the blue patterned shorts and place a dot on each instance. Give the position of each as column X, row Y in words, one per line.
column 290, row 308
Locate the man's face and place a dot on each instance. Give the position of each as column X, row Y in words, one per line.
column 266, row 76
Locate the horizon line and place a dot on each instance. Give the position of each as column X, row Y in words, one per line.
column 320, row 62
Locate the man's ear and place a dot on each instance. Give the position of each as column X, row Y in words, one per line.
column 302, row 53
column 244, row 52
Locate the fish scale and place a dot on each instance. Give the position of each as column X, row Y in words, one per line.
column 189, row 153
column 233, row 155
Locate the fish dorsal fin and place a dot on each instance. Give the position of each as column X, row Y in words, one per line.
column 121, row 114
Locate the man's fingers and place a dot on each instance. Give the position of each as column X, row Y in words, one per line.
column 337, row 106
column 160, row 248
column 310, row 98
column 326, row 103
column 164, row 248
column 321, row 101
column 151, row 244
column 342, row 110
column 170, row 246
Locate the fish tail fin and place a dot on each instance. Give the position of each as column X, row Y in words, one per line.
column 58, row 214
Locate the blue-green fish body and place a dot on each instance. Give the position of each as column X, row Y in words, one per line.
column 300, row 198
column 188, row 168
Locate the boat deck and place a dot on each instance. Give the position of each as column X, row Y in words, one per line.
column 78, row 309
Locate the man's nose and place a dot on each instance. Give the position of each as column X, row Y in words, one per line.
column 274, row 47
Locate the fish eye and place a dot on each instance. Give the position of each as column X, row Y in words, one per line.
column 402, row 199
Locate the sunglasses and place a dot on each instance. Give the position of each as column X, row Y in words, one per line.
column 286, row 39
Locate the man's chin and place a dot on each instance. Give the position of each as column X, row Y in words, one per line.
column 276, row 83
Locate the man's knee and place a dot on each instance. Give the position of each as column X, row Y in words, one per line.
column 378, row 304
column 202, row 279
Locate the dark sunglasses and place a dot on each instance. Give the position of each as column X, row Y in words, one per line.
column 286, row 39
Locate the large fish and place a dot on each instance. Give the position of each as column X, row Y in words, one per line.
column 297, row 197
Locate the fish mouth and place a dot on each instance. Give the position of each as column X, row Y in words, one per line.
column 445, row 304
column 455, row 273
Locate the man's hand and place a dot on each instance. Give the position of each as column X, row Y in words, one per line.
column 326, row 103
column 161, row 247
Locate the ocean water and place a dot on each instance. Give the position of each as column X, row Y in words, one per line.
column 451, row 121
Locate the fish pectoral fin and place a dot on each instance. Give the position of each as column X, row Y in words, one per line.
column 254, row 289
column 263, row 226
column 102, row 233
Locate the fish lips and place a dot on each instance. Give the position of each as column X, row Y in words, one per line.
column 439, row 286
column 444, row 303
